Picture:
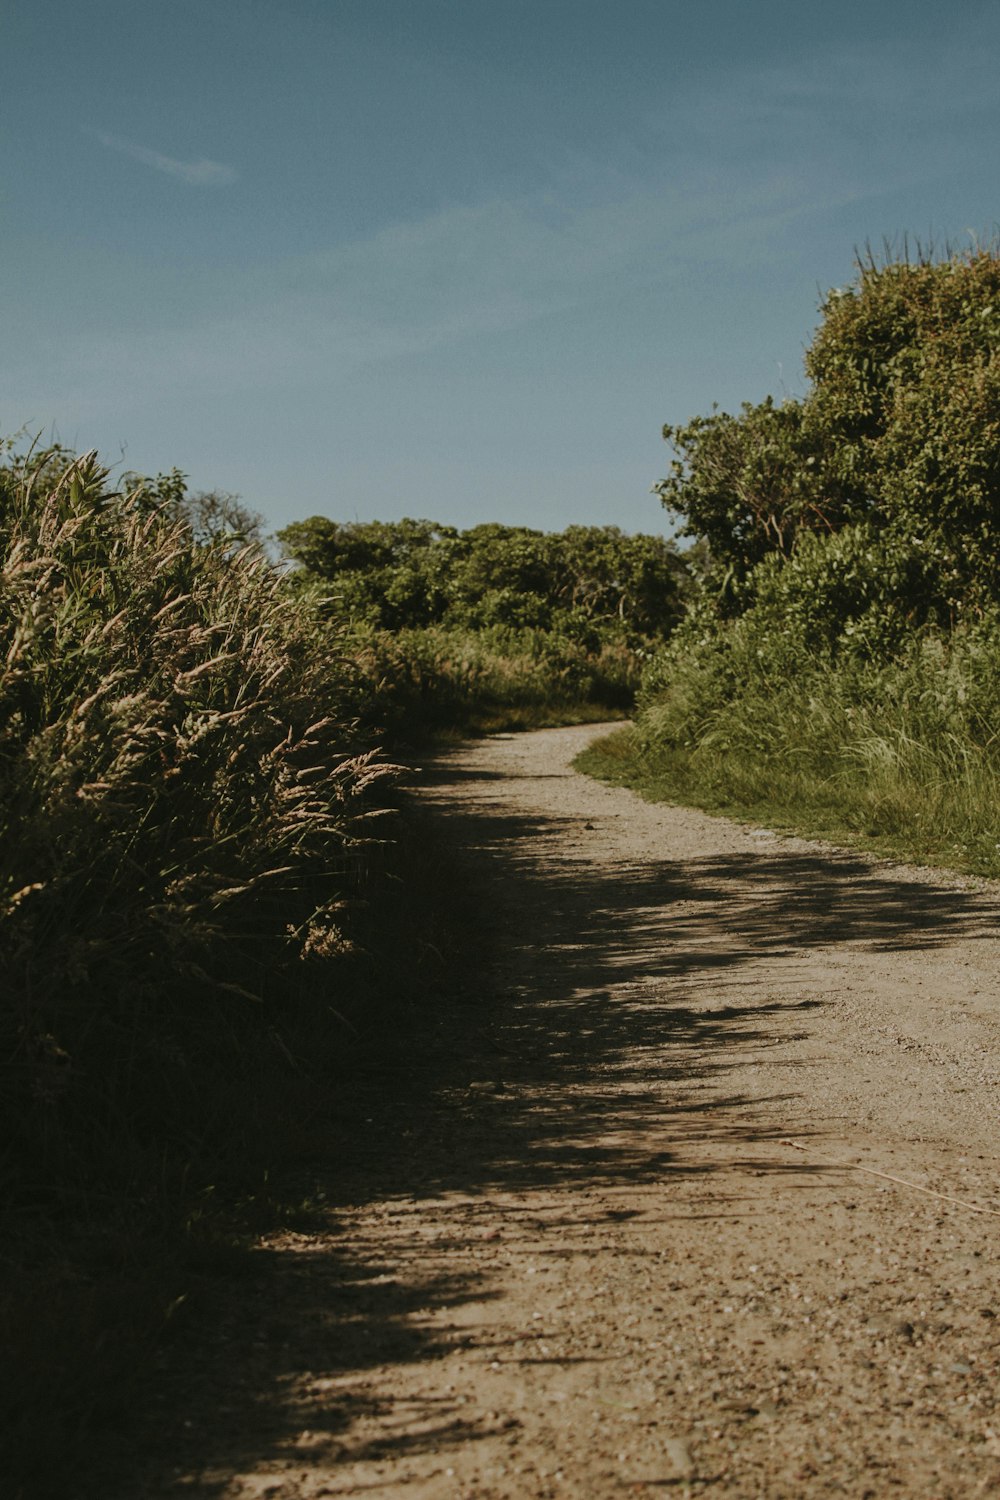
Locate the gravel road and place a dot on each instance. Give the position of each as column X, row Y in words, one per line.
column 708, row 1204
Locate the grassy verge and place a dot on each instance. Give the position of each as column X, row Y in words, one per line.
column 198, row 917
column 922, row 802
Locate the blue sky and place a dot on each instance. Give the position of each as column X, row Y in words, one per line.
column 456, row 258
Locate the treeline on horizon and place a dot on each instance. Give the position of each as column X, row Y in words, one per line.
column 838, row 670
column 494, row 627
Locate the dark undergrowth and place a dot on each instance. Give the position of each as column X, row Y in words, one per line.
column 204, row 893
column 247, row 1112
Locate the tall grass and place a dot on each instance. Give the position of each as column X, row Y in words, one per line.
column 453, row 679
column 185, row 830
column 903, row 756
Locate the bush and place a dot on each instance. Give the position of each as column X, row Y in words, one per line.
column 898, row 436
column 839, row 667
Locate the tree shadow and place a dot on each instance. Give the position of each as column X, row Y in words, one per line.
column 588, row 1041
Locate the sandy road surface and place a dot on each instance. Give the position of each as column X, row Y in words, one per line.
column 598, row 1265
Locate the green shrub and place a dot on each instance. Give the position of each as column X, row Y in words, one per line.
column 898, row 435
column 839, row 668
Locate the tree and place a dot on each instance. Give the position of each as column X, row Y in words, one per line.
column 211, row 515
column 898, row 434
column 414, row 573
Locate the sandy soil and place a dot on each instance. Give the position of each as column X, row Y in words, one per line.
column 647, row 1235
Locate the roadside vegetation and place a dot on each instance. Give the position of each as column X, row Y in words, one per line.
column 838, row 671
column 217, row 900
column 191, row 853
column 496, row 627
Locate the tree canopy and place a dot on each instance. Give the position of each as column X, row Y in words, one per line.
column 897, row 439
column 412, row 573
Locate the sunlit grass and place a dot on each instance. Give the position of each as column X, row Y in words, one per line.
column 901, row 762
column 187, row 814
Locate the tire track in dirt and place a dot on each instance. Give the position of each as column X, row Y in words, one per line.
column 594, row 1264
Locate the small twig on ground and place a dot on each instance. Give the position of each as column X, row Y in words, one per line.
column 856, row 1166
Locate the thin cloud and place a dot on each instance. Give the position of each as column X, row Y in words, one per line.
column 463, row 273
column 202, row 173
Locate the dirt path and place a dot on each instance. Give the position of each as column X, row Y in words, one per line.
column 600, row 1263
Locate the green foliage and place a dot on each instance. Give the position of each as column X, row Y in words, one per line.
column 408, row 574
column 384, row 574
column 906, row 402
column 747, row 485
column 494, row 626
column 840, row 659
column 899, row 434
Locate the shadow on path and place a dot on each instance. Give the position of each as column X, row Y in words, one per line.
column 590, row 1042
